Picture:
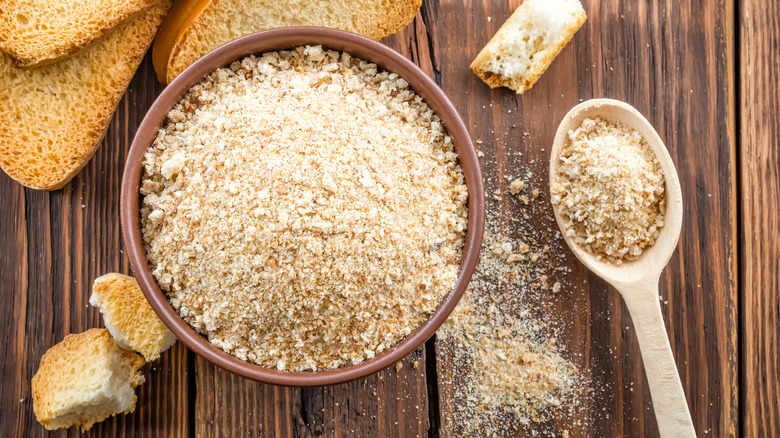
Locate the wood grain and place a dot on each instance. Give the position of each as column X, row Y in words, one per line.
column 390, row 403
column 674, row 63
column 759, row 152
column 54, row 245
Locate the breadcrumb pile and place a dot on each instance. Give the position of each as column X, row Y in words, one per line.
column 610, row 188
column 303, row 209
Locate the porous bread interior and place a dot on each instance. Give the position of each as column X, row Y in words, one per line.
column 129, row 317
column 528, row 42
column 35, row 32
column 85, row 379
column 226, row 20
column 52, row 118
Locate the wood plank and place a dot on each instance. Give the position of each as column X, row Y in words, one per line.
column 56, row 244
column 759, row 76
column 389, row 403
column 674, row 62
column 13, row 277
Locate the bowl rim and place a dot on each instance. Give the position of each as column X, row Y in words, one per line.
column 281, row 39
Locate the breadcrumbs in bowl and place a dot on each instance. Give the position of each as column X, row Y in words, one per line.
column 305, row 210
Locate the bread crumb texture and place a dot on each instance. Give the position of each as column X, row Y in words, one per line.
column 226, row 20
column 303, row 209
column 36, row 32
column 85, row 379
column 129, row 317
column 610, row 189
column 507, row 374
column 52, row 118
column 527, row 43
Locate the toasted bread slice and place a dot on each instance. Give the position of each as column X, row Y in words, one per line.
column 38, row 32
column 527, row 43
column 225, row 20
column 85, row 379
column 129, row 317
column 52, row 118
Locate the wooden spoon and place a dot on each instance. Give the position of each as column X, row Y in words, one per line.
column 637, row 281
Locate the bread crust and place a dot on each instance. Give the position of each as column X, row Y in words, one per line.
column 377, row 23
column 181, row 17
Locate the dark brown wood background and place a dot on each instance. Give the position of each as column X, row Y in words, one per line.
column 707, row 76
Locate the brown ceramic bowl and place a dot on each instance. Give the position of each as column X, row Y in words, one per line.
column 278, row 39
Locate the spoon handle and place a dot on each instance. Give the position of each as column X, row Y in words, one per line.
column 671, row 408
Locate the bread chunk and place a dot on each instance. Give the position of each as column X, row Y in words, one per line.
column 85, row 379
column 39, row 32
column 129, row 317
column 225, row 20
column 528, row 42
column 52, row 118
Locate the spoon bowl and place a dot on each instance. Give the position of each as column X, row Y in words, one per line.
column 653, row 259
column 637, row 280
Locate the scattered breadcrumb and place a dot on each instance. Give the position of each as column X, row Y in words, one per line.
column 303, row 209
column 516, row 186
column 509, row 371
column 610, row 188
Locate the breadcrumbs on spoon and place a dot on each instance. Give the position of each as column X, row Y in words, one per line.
column 610, row 190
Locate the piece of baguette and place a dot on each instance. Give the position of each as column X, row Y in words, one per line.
column 52, row 118
column 225, row 20
column 85, row 379
column 129, row 317
column 38, row 32
column 528, row 42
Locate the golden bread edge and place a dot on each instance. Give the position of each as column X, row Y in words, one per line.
column 399, row 15
column 179, row 19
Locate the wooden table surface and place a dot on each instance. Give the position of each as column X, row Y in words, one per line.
column 705, row 73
